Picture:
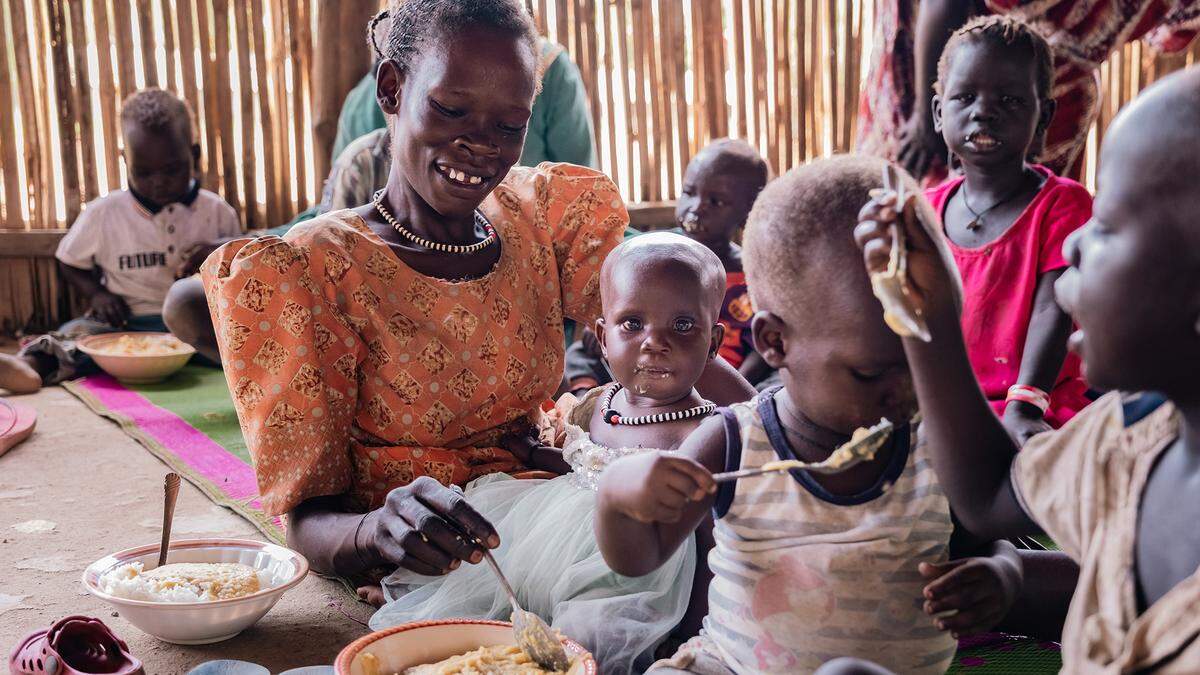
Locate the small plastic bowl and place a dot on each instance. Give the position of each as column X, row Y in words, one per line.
column 198, row 623
column 422, row 642
column 134, row 368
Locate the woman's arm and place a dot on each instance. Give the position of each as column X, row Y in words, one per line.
column 330, row 538
column 1042, row 358
column 936, row 21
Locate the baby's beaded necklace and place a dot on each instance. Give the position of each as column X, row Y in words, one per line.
column 613, row 417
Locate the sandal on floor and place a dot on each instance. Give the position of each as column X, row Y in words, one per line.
column 16, row 424
column 76, row 645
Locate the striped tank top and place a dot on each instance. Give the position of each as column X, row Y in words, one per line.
column 803, row 576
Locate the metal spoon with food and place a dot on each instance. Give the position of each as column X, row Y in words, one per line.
column 861, row 447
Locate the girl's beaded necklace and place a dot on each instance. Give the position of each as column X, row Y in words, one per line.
column 977, row 216
column 613, row 417
column 481, row 221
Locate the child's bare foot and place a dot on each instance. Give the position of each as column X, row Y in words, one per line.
column 17, row 376
column 372, row 595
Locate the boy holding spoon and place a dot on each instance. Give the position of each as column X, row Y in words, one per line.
column 810, row 566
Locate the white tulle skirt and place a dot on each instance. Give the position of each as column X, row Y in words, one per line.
column 549, row 553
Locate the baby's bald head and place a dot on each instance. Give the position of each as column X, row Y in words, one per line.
column 664, row 256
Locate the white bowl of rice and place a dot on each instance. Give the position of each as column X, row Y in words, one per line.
column 209, row 591
column 137, row 358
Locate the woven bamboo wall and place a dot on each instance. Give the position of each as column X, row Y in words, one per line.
column 664, row 77
column 244, row 65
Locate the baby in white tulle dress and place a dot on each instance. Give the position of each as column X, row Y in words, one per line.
column 661, row 294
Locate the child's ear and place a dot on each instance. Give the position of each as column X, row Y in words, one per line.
column 937, row 113
column 389, row 80
column 767, row 330
column 1047, row 113
column 600, row 337
column 718, row 336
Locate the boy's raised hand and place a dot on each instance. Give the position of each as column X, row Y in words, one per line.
column 655, row 487
column 932, row 275
column 970, row 595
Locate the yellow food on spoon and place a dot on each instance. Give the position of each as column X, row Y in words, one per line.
column 846, row 453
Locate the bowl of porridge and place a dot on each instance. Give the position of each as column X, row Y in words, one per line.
column 137, row 358
column 210, row 589
column 450, row 647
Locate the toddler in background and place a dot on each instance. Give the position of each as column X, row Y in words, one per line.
column 125, row 249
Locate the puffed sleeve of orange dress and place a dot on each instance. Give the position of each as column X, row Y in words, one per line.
column 290, row 360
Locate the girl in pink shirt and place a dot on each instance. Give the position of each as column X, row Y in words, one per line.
column 1006, row 220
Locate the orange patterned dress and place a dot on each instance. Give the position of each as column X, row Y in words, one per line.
column 326, row 329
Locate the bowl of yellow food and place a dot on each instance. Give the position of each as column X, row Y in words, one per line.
column 137, row 358
column 210, row 589
column 450, row 647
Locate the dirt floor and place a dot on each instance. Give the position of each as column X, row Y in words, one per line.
column 100, row 492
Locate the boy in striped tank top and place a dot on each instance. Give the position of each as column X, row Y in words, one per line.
column 807, row 567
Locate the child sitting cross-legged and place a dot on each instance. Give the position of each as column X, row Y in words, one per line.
column 808, row 567
column 126, row 248
column 1116, row 487
column 661, row 294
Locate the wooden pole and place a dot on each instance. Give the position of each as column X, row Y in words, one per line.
column 110, row 129
column 340, row 59
column 298, row 35
column 83, row 92
column 123, row 37
column 145, row 18
column 67, row 113
column 32, row 126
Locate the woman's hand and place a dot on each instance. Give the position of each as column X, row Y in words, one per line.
column 655, row 487
column 970, row 595
column 920, row 144
column 427, row 528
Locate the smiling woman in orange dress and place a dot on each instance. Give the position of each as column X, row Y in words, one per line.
column 379, row 355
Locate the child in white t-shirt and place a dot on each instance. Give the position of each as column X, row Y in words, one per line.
column 125, row 249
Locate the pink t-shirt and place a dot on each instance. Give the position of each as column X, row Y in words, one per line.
column 999, row 284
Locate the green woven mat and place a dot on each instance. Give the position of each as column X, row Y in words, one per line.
column 200, row 396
